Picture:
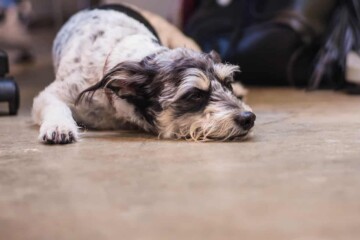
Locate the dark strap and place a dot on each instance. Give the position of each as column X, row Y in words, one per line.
column 131, row 13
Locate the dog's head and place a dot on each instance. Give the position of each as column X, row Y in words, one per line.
column 180, row 93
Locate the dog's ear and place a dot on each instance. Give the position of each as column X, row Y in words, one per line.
column 125, row 79
column 129, row 78
column 215, row 56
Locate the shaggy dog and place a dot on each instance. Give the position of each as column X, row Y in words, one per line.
column 112, row 69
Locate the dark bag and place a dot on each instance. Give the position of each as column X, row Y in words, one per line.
column 275, row 42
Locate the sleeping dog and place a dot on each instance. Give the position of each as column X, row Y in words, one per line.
column 113, row 69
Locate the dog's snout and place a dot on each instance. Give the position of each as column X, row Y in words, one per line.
column 245, row 120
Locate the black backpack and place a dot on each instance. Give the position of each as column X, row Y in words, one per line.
column 275, row 42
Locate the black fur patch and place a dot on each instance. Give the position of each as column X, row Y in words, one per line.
column 146, row 108
column 194, row 101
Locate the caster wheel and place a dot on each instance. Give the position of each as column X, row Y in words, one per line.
column 15, row 101
column 9, row 90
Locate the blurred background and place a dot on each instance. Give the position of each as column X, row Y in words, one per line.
column 21, row 21
column 301, row 43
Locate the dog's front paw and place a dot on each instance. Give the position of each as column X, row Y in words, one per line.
column 58, row 133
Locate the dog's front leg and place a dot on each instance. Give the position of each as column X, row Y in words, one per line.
column 57, row 125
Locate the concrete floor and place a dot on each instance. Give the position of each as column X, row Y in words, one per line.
column 297, row 179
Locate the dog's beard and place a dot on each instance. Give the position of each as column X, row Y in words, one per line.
column 202, row 127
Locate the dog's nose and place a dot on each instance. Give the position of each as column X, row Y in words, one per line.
column 246, row 120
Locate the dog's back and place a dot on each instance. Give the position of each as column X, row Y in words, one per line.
column 91, row 35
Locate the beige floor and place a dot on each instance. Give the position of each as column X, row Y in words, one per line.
column 297, row 179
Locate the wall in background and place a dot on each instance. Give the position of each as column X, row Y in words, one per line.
column 169, row 9
column 50, row 9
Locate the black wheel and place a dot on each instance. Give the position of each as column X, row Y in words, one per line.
column 13, row 108
column 15, row 101
column 9, row 90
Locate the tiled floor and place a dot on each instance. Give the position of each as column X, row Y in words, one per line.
column 297, row 179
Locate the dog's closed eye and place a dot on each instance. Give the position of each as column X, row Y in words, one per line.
column 195, row 95
column 194, row 100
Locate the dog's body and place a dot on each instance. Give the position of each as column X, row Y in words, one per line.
column 145, row 84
